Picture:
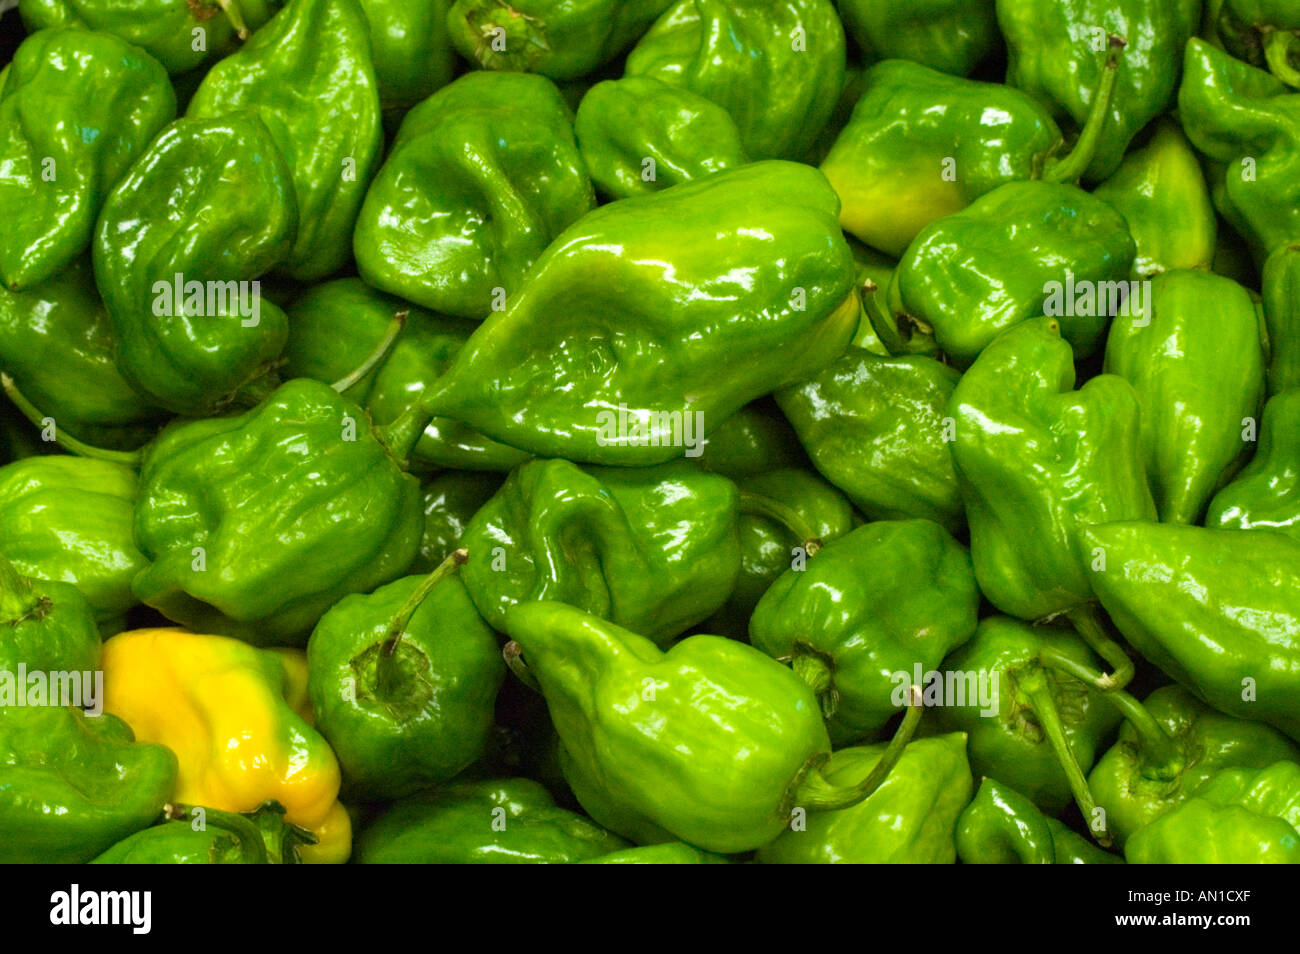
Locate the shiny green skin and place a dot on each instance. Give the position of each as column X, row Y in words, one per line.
column 506, row 821
column 221, row 838
column 1056, row 50
column 1191, row 349
column 69, row 519
column 411, row 50
column 768, row 548
column 89, row 103
column 428, row 723
column 1002, row 827
column 1281, row 290
column 1162, row 194
column 910, row 819
column 1212, row 608
column 56, row 342
column 295, row 504
column 1266, row 494
column 707, row 741
column 948, row 35
column 335, row 326
column 483, row 175
column 320, row 102
column 992, row 265
column 1134, row 790
column 1071, row 848
column 74, row 785
column 165, row 29
column 669, row 853
column 213, row 201
column 755, row 440
column 622, row 124
column 1248, row 121
column 874, row 427
column 1011, row 745
column 1038, row 462
column 776, row 67
column 1243, row 26
column 598, row 314
column 878, row 602
column 562, row 39
column 652, row 549
column 450, row 501
column 922, row 145
column 46, row 626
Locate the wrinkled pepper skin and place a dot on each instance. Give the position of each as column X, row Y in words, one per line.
column 76, row 109
column 1000, row 262
column 320, row 102
column 707, row 741
column 1281, row 292
column 652, row 548
column 1037, row 463
column 1053, row 53
column 1191, row 349
column 1218, row 610
column 1266, row 494
column 669, row 853
column 211, row 200
column 636, row 302
column 562, row 39
column 411, row 50
column 69, row 519
column 777, row 68
column 910, row 819
column 425, row 719
column 639, row 135
column 1134, row 789
column 1010, row 743
column 755, row 440
column 451, row 500
column 215, row 497
column 1248, row 121
column 56, row 342
column 874, row 426
column 46, row 626
column 205, row 836
column 1162, row 194
column 237, row 719
column 74, row 784
column 506, row 821
column 951, row 36
column 483, row 175
column 889, row 597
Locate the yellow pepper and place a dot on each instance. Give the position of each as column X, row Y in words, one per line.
column 238, row 719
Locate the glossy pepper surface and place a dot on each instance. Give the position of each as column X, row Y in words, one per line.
column 411, row 50
column 755, row 440
column 1262, row 32
column 1002, row 827
column 451, row 499
column 1266, row 494
column 76, row 109
column 668, row 853
column 948, row 35
column 1281, row 294
column 238, row 720
column 45, row 626
column 204, row 836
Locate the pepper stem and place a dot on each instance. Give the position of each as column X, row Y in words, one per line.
column 387, row 666
column 376, row 356
column 513, row 654
column 1071, row 167
column 1088, row 626
column 816, row 793
column 1277, row 51
column 819, row 677
column 784, row 514
column 33, row 414
column 236, row 17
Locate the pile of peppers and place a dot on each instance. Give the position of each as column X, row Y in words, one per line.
column 650, row 431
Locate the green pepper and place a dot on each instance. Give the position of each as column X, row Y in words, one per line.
column 1266, row 494
column 74, row 784
column 321, row 104
column 1218, row 610
column 910, row 819
column 777, row 68
column 1052, row 53
column 508, row 821
column 877, row 428
column 76, row 109
column 208, row 208
column 1265, row 33
column 868, row 611
column 639, row 135
column 1162, row 194
column 1281, row 290
column 755, row 440
column 193, row 835
column 450, row 501
column 557, row 38
column 1002, row 827
column 655, row 328
column 411, row 49
column 45, row 626
column 1191, row 349
column 57, row 343
column 69, row 519
column 653, row 548
column 668, row 853
column 953, row 36
column 483, row 175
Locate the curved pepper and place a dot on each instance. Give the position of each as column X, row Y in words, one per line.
column 238, row 720
column 45, row 626
column 1265, row 33
column 668, row 853
column 507, row 821
column 1266, row 494
column 755, row 440
column 634, row 317
column 77, row 108
column 1280, row 284
column 483, row 175
column 411, row 49
column 206, row 836
column 1002, row 827
column 450, row 502
column 777, row 68
column 952, row 36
